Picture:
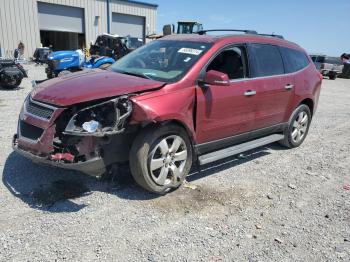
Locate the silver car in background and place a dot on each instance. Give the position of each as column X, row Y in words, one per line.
column 328, row 65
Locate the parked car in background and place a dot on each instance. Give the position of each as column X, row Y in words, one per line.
column 172, row 102
column 346, row 69
column 115, row 46
column 328, row 65
column 40, row 55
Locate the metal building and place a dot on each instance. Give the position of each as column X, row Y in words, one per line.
column 70, row 24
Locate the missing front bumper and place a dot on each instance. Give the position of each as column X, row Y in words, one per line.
column 94, row 167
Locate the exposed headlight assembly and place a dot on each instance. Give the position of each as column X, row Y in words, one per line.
column 106, row 118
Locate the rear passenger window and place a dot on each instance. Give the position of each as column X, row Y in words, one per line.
column 294, row 60
column 265, row 60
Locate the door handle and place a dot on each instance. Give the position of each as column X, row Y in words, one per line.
column 250, row 93
column 288, row 87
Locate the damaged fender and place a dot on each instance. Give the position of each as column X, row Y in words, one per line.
column 150, row 109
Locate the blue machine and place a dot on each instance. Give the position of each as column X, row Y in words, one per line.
column 74, row 61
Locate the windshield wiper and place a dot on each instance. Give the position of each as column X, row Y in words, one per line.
column 134, row 74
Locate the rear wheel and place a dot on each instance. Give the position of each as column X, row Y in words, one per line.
column 12, row 84
column 161, row 158
column 332, row 76
column 298, row 127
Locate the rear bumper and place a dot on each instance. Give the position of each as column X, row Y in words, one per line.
column 94, row 167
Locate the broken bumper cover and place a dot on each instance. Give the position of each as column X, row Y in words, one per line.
column 94, row 167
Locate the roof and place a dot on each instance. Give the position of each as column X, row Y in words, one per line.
column 140, row 3
column 238, row 37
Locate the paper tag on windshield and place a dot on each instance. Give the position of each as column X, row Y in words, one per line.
column 190, row 51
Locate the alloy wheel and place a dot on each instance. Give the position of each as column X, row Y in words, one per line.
column 168, row 160
column 300, row 126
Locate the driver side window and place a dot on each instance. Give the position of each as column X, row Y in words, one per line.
column 231, row 61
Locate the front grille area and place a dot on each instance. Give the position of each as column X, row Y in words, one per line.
column 39, row 110
column 29, row 131
column 53, row 64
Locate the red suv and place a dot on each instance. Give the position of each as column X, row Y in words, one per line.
column 172, row 102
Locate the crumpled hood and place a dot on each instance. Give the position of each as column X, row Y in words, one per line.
column 90, row 85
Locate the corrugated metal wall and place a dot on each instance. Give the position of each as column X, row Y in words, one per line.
column 19, row 20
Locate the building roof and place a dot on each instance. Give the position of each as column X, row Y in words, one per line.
column 140, row 3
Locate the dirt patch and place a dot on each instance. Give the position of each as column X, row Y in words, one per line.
column 200, row 198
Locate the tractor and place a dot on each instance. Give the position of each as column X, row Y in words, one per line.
column 183, row 27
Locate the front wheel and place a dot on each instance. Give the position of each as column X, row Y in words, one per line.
column 12, row 84
column 298, row 127
column 161, row 158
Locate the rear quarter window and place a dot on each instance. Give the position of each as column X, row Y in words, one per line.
column 294, row 60
column 265, row 60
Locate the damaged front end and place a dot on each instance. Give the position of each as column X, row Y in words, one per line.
column 85, row 137
column 106, row 118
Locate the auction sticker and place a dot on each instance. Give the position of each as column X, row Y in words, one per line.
column 190, row 51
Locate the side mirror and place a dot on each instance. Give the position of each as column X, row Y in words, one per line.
column 216, row 78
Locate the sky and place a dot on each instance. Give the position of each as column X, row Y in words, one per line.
column 321, row 26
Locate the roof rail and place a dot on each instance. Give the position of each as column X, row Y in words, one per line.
column 272, row 35
column 203, row 32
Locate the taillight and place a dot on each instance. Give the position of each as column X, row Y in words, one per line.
column 320, row 75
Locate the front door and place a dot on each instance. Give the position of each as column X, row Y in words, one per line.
column 225, row 111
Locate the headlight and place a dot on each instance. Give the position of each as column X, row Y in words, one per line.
column 106, row 118
column 21, row 114
column 67, row 59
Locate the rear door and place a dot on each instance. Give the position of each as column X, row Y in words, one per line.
column 274, row 89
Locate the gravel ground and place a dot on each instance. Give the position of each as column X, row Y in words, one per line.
column 270, row 204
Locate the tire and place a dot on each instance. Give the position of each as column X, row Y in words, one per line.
column 298, row 128
column 153, row 146
column 14, row 85
column 332, row 76
column 104, row 66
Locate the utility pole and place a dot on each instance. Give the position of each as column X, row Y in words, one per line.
column 108, row 18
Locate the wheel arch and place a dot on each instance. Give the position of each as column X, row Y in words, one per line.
column 310, row 103
column 171, row 121
column 177, row 122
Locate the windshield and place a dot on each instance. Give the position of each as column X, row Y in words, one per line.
column 132, row 42
column 163, row 60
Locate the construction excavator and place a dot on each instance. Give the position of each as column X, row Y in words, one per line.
column 183, row 27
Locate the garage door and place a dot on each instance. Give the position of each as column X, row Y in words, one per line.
column 124, row 25
column 60, row 18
